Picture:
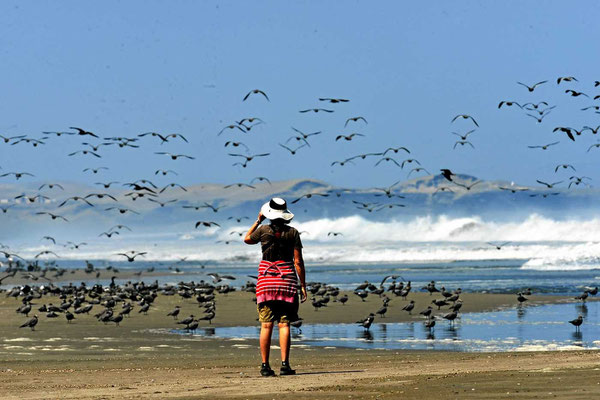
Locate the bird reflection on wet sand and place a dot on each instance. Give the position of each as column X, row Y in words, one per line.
column 366, row 335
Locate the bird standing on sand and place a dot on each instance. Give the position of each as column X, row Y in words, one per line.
column 409, row 307
column 174, row 313
column 439, row 303
column 187, row 320
column 69, row 316
column 343, row 299
column 31, row 323
column 382, row 311
column 427, row 311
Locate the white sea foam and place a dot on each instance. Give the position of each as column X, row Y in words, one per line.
column 543, row 243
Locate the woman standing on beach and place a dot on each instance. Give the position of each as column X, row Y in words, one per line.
column 278, row 274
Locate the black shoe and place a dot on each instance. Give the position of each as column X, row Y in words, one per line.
column 265, row 370
column 287, row 370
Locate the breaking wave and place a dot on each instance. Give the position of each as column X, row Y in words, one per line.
column 541, row 243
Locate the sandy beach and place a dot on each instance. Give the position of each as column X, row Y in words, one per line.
column 139, row 359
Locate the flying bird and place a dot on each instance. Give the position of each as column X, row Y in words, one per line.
column 498, row 246
column 355, row 119
column 95, row 170
column 446, row 173
column 8, row 139
column 83, row 132
column 535, row 106
column 418, row 169
column 260, row 179
column 464, row 137
column 392, row 205
column 236, row 144
column 592, row 146
column 249, row 158
column 576, row 180
column 51, row 186
column 462, row 143
column 393, row 149
column 293, row 151
column 75, row 198
column 162, row 203
column 239, row 185
column 18, row 175
column 568, row 131
column 131, row 257
column 387, row 159
column 165, row 172
column 388, row 190
column 256, row 91
column 548, row 185
column 122, row 210
column 566, row 79
column 155, row 134
column 53, row 216
column 468, row 187
column 207, row 224
column 341, row 163
column 172, row 185
column 84, row 152
column 575, row 93
column 232, row 127
column 544, row 147
column 531, row 88
column 100, row 196
column 513, row 189
column 348, row 137
column 175, row 156
column 509, row 104
column 564, row 166
column 308, row 196
column 540, row 118
column 465, row 116
column 316, row 110
column 333, row 101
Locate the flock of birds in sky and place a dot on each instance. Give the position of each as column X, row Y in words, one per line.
column 165, row 195
column 93, row 146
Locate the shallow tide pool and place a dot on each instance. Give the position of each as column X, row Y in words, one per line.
column 527, row 328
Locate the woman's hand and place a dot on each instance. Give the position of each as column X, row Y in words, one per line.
column 261, row 217
column 303, row 295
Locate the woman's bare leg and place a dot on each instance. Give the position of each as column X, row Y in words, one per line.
column 266, row 330
column 284, row 340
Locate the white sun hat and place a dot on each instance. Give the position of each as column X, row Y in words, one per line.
column 276, row 208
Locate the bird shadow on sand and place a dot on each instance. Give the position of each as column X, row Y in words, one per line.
column 330, row 372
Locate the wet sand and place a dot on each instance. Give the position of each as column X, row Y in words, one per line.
column 87, row 359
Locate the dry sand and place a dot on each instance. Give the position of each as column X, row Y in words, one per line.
column 87, row 359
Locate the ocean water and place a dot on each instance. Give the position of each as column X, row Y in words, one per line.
column 521, row 328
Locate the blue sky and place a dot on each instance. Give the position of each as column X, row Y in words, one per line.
column 120, row 68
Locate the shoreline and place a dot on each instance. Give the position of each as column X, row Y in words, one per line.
column 87, row 359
